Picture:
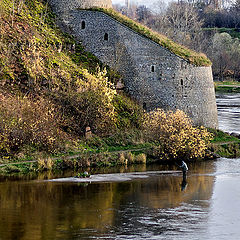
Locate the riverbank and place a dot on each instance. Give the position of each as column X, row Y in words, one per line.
column 79, row 160
column 96, row 154
column 225, row 144
column 227, row 86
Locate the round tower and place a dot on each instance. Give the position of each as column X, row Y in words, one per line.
column 67, row 5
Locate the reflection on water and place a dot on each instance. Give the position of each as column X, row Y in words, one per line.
column 228, row 105
column 151, row 208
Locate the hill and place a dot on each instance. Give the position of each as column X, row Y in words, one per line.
column 51, row 89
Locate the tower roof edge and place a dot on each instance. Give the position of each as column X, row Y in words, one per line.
column 66, row 5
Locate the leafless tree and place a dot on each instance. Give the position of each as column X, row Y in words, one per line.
column 159, row 7
column 182, row 24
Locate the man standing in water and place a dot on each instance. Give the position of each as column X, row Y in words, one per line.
column 184, row 168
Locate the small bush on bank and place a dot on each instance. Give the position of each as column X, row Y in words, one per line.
column 45, row 163
column 176, row 136
column 121, row 159
column 130, row 157
column 141, row 158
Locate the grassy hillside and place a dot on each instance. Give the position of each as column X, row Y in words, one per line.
column 51, row 89
column 198, row 59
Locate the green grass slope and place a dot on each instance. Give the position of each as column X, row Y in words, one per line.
column 51, row 89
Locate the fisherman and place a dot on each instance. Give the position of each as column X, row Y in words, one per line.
column 184, row 168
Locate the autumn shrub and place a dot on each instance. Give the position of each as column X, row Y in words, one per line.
column 176, row 135
column 130, row 157
column 89, row 103
column 45, row 163
column 141, row 158
column 121, row 159
column 25, row 122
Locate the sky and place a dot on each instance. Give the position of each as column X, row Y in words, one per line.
column 145, row 2
column 148, row 3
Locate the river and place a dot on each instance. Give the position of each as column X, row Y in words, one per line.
column 154, row 206
column 137, row 202
column 228, row 105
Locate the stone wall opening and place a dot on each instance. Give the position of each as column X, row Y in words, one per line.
column 83, row 25
column 106, row 37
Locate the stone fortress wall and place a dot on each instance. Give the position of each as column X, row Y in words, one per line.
column 66, row 5
column 153, row 75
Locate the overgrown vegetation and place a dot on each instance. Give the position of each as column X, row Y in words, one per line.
column 28, row 122
column 198, row 59
column 51, row 90
column 177, row 137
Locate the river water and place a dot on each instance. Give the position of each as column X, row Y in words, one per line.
column 137, row 202
column 228, row 105
column 153, row 206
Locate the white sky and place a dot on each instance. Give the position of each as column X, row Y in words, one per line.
column 148, row 3
column 145, row 2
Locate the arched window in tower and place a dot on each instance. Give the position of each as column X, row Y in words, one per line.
column 181, row 82
column 83, row 25
column 153, row 68
column 106, row 36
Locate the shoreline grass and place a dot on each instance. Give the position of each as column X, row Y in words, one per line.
column 227, row 86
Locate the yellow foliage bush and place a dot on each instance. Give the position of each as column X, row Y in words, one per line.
column 89, row 103
column 45, row 163
column 141, row 158
column 25, row 122
column 121, row 158
column 130, row 157
column 177, row 137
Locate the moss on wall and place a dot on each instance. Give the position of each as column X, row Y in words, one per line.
column 198, row 59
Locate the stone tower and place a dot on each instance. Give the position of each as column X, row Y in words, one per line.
column 153, row 75
column 67, row 5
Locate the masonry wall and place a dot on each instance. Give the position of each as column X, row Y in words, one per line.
column 154, row 76
column 66, row 5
